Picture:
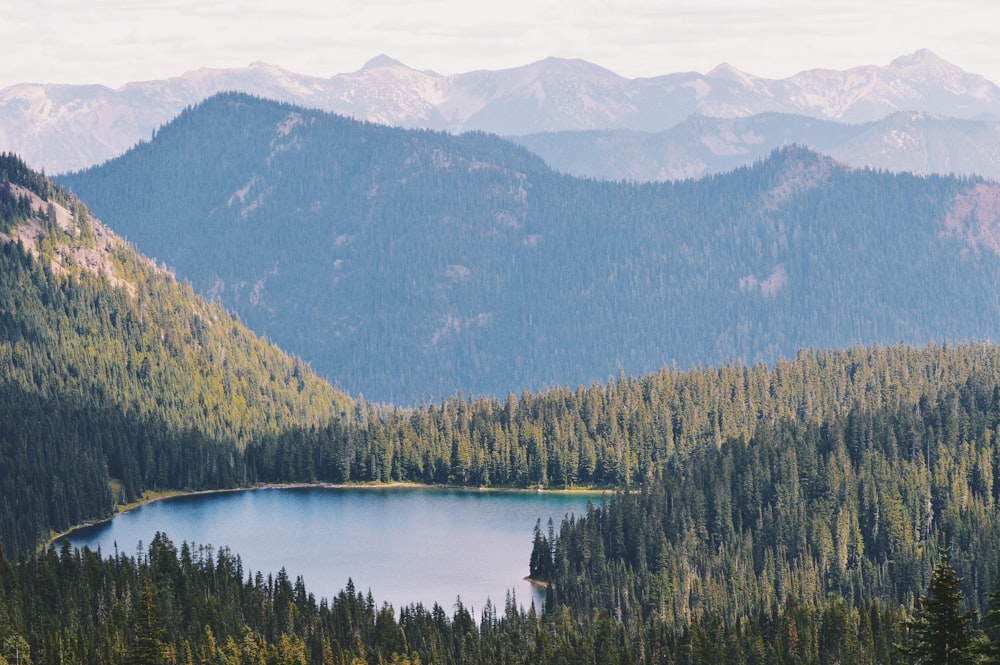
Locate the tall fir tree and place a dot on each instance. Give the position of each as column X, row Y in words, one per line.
column 940, row 633
column 990, row 647
column 149, row 634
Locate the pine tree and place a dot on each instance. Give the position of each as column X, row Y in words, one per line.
column 940, row 632
column 990, row 648
column 149, row 634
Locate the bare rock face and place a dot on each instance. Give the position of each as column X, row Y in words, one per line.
column 974, row 218
column 87, row 243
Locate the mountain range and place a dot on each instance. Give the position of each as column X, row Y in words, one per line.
column 63, row 127
column 408, row 263
column 700, row 145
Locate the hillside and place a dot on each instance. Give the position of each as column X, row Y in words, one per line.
column 410, row 263
column 112, row 369
column 785, row 514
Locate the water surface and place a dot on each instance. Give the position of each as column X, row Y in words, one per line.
column 405, row 545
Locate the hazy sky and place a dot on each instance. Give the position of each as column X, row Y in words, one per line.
column 115, row 41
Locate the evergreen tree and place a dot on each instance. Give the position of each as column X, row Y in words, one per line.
column 940, row 631
column 149, row 634
column 990, row 647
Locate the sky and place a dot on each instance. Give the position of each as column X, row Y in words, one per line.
column 112, row 42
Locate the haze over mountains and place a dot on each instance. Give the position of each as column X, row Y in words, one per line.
column 700, row 145
column 483, row 263
column 405, row 263
column 60, row 127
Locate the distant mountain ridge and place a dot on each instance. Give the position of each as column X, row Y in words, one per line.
column 918, row 143
column 406, row 263
column 61, row 127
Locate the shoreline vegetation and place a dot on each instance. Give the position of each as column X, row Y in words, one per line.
column 152, row 496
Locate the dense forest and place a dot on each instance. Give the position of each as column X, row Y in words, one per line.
column 410, row 265
column 193, row 605
column 136, row 380
column 834, row 473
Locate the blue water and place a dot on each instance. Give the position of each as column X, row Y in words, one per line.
column 405, row 545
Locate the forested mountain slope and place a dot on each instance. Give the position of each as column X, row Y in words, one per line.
column 110, row 368
column 832, row 503
column 786, row 514
column 404, row 264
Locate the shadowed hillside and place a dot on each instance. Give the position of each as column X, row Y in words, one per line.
column 404, row 264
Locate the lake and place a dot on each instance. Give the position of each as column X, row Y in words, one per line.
column 405, row 545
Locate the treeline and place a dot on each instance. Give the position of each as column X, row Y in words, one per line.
column 189, row 385
column 782, row 512
column 64, row 462
column 631, row 430
column 836, row 473
column 18, row 206
column 195, row 604
column 777, row 513
column 830, row 514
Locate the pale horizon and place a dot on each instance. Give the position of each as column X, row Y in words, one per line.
column 113, row 42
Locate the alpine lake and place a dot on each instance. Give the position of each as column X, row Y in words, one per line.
column 405, row 545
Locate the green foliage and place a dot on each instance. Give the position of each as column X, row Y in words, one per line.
column 829, row 481
column 148, row 645
column 18, row 183
column 136, row 379
column 940, row 632
column 170, row 605
column 778, row 511
column 195, row 604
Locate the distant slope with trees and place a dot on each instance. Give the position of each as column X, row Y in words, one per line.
column 407, row 264
column 698, row 146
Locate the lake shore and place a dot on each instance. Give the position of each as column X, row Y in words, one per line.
column 152, row 497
